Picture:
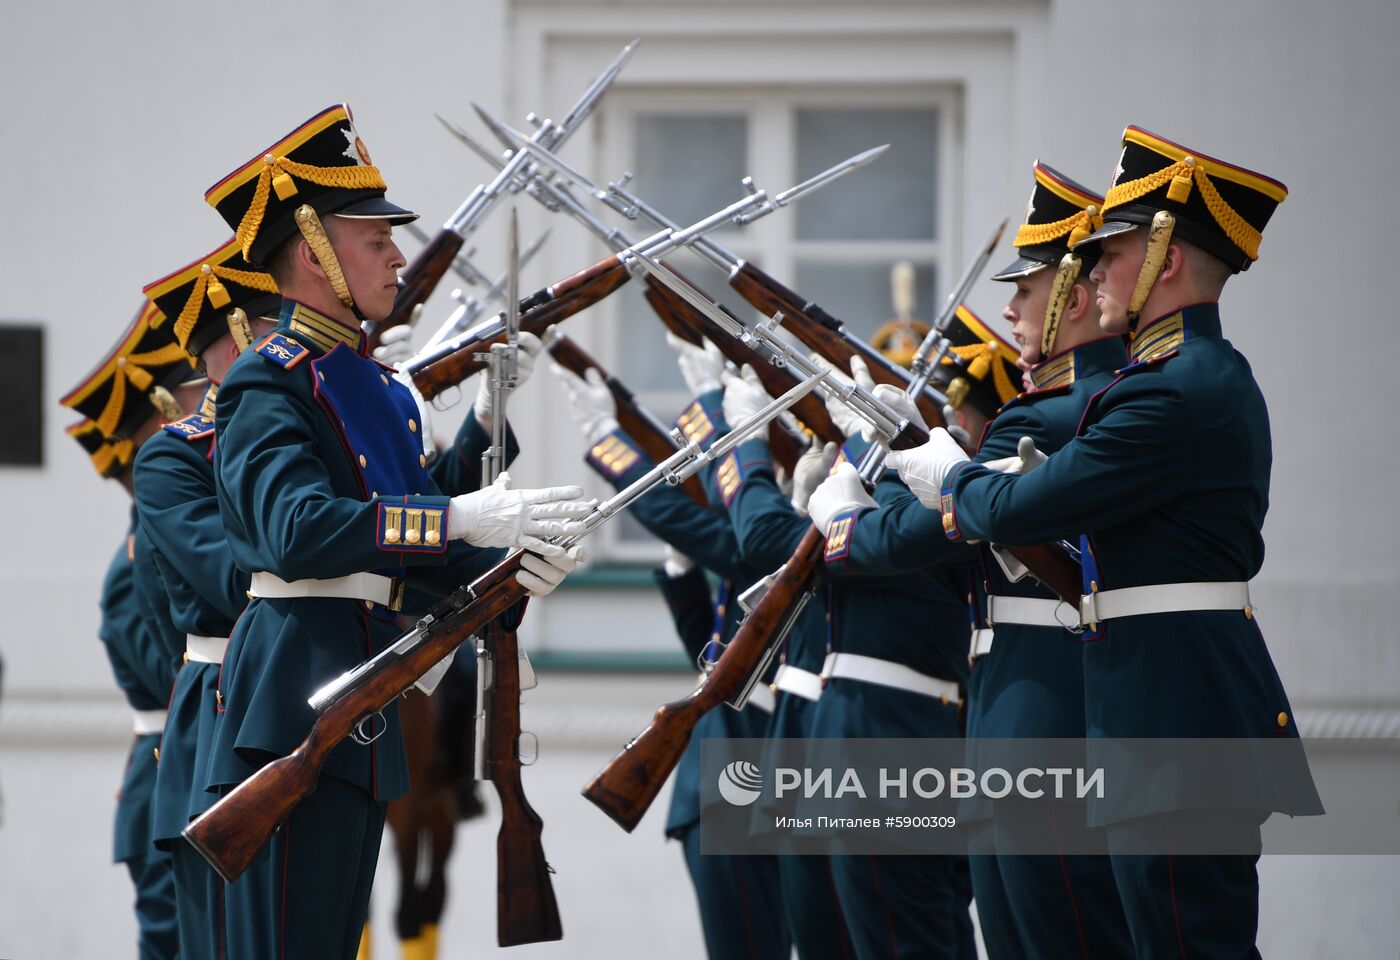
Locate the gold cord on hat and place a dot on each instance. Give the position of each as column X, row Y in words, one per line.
column 207, row 284
column 130, row 368
column 1060, row 288
column 1078, row 226
column 1182, row 175
column 979, row 358
column 1159, row 237
column 315, row 234
column 280, row 174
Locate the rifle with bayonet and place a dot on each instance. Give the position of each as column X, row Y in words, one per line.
column 452, row 361
column 526, row 909
column 691, row 325
column 626, row 787
column 634, row 419
column 677, row 315
column 808, row 321
column 232, row 831
column 422, row 276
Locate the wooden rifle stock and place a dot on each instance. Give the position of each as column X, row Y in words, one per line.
column 538, row 312
column 636, row 421
column 526, row 909
column 786, row 448
column 823, row 333
column 232, row 831
column 626, row 787
column 420, row 279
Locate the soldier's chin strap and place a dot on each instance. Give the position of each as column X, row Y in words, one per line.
column 1159, row 237
column 315, row 233
column 1065, row 275
column 240, row 329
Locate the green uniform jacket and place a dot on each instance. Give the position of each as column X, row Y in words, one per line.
column 706, row 536
column 144, row 676
column 319, row 474
column 1168, row 480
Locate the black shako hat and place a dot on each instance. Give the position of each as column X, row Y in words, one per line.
column 1218, row 206
column 322, row 163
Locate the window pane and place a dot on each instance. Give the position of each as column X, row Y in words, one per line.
column 859, row 293
column 645, row 362
column 893, row 198
column 690, row 166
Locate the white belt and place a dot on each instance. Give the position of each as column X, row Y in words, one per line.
column 357, row 586
column 981, row 643
column 144, row 722
column 801, row 683
column 204, row 649
column 1164, row 598
column 1031, row 612
column 762, row 698
column 850, row 666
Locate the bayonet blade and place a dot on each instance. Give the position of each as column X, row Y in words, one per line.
column 826, row 176
column 491, row 159
column 580, row 111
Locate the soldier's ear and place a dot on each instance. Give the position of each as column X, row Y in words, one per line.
column 1173, row 263
column 307, row 258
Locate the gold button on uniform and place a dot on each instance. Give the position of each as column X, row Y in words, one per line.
column 412, row 536
column 385, row 379
column 422, row 459
column 1282, row 719
column 412, row 425
column 431, row 537
column 156, row 751
column 363, row 461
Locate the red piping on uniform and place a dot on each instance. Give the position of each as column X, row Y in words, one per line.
column 1171, row 886
column 1069, row 887
column 889, row 916
column 750, row 934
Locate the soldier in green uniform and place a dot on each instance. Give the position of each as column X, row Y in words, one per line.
column 1029, row 683
column 214, row 308
column 1167, row 484
column 322, row 483
column 895, row 664
column 739, row 899
column 124, row 400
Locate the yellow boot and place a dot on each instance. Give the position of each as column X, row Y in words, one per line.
column 364, row 952
column 422, row 947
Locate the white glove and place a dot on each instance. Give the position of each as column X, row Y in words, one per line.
column 847, row 420
column 700, row 366
column 425, row 415
column 1027, row 458
column 529, row 348
column 591, row 403
column 744, row 395
column 903, row 406
column 676, row 564
column 836, row 494
column 811, row 469
column 950, row 423
column 395, row 345
column 498, row 516
column 923, row 469
column 540, row 575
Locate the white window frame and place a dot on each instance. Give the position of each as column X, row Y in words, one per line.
column 771, row 114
